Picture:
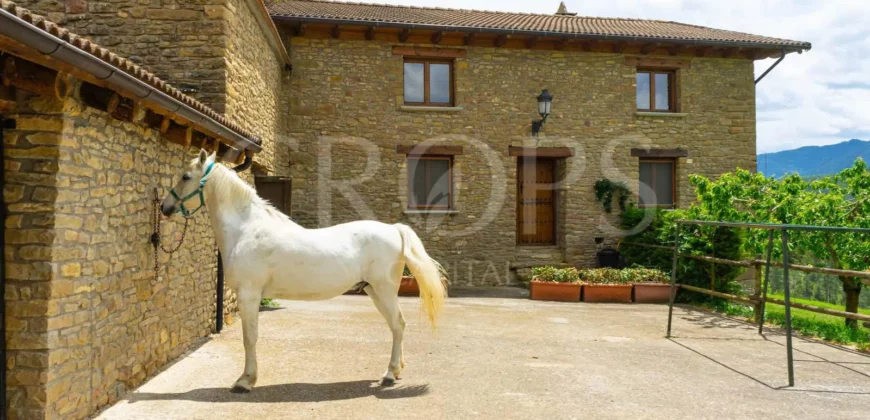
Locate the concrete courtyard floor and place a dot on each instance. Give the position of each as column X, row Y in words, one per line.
column 507, row 358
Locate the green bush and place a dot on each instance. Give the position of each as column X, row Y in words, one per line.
column 555, row 275
column 623, row 276
column 603, row 276
column 719, row 242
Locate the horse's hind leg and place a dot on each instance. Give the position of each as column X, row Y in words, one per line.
column 249, row 310
column 386, row 300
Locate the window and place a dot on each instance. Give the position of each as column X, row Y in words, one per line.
column 430, row 182
column 428, row 82
column 657, row 186
column 656, row 91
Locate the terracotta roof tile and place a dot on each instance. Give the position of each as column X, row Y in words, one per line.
column 555, row 25
column 121, row 63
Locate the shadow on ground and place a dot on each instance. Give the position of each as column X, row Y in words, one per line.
column 712, row 320
column 282, row 393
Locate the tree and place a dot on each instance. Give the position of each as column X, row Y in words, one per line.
column 839, row 200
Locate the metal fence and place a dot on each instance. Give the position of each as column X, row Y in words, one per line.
column 759, row 296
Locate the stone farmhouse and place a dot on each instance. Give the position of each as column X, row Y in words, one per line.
column 485, row 131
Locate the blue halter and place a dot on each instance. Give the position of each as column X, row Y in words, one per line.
column 183, row 210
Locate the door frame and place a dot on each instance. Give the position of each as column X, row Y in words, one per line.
column 555, row 213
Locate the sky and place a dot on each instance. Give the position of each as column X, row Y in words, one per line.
column 816, row 98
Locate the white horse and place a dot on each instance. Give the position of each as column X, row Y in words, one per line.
column 267, row 254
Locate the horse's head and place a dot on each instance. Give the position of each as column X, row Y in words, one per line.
column 189, row 186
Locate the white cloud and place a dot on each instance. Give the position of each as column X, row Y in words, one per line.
column 819, row 97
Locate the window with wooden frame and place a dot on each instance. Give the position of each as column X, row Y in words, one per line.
column 430, row 182
column 658, row 183
column 428, row 82
column 656, row 90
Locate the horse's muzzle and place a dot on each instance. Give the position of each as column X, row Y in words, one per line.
column 167, row 209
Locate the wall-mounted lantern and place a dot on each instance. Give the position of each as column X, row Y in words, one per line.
column 545, row 100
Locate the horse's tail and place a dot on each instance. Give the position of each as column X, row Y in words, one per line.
column 430, row 275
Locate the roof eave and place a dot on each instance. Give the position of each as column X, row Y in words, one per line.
column 49, row 45
column 501, row 31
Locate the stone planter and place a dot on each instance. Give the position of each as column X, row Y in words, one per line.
column 652, row 292
column 563, row 292
column 620, row 293
column 408, row 287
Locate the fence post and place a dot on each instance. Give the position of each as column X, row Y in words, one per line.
column 785, row 263
column 766, row 284
column 674, row 276
column 756, row 288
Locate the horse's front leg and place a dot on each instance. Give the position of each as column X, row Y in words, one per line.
column 249, row 310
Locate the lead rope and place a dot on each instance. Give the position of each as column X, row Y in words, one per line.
column 155, row 237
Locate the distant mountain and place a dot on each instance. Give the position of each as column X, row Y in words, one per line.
column 814, row 160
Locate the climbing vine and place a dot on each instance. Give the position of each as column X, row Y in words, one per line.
column 606, row 190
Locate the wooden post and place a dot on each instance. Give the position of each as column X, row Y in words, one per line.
column 756, row 288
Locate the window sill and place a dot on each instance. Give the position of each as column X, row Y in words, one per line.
column 660, row 114
column 412, row 211
column 414, row 108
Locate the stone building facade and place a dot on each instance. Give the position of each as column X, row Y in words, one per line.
column 348, row 117
column 322, row 87
column 87, row 317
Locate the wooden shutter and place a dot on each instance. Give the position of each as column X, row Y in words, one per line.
column 276, row 190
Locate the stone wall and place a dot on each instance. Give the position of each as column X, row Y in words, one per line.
column 88, row 320
column 347, row 119
column 255, row 87
column 182, row 41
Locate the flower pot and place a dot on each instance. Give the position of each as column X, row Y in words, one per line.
column 563, row 292
column 607, row 293
column 652, row 293
column 409, row 287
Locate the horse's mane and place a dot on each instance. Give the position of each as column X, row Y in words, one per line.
column 228, row 187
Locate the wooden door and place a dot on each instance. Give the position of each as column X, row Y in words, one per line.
column 536, row 201
column 276, row 190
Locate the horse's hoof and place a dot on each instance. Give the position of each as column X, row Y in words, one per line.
column 387, row 382
column 238, row 389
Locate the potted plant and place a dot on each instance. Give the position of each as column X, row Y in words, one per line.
column 605, row 285
column 551, row 283
column 408, row 286
column 651, row 286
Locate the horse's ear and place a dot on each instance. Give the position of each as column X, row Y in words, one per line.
column 203, row 156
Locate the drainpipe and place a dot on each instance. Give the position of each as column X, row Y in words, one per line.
column 4, row 123
column 219, row 317
column 781, row 57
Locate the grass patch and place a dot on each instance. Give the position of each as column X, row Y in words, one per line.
column 269, row 303
column 826, row 327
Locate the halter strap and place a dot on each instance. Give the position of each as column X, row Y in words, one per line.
column 181, row 208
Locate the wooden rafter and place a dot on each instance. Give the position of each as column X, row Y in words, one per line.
column 29, row 76
column 648, row 48
column 165, row 124
column 335, row 32
column 468, row 39
column 404, row 34
column 370, row 33
column 7, row 98
column 500, row 41
column 531, row 42
column 299, row 29
column 560, row 44
column 436, row 37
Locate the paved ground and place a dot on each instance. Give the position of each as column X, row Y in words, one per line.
column 507, row 358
